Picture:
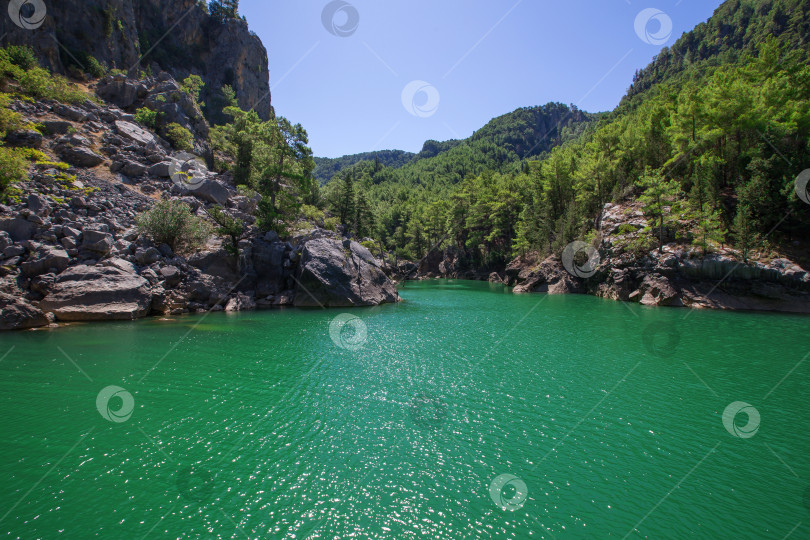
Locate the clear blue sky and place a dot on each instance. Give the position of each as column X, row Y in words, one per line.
column 480, row 58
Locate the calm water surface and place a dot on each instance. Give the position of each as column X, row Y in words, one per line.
column 259, row 425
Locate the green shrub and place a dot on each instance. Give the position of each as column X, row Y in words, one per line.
column 180, row 137
column 109, row 18
column 13, row 168
column 311, row 213
column 331, row 223
column 35, row 81
column 9, row 120
column 172, row 223
column 147, row 117
column 246, row 191
column 94, row 67
column 22, row 56
column 193, row 85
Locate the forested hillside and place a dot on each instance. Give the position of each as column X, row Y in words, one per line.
column 711, row 138
column 326, row 168
column 737, row 28
column 505, row 140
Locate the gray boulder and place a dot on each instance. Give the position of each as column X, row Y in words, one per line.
column 56, row 127
column 240, row 302
column 160, row 170
column 121, row 91
column 133, row 169
column 5, row 241
column 18, row 229
column 331, row 275
column 80, row 156
column 18, row 314
column 26, row 138
column 90, row 293
column 97, row 241
column 145, row 257
column 134, row 133
column 44, row 258
column 212, row 191
column 71, row 113
column 656, row 290
column 38, row 204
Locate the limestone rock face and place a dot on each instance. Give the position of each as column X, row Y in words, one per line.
column 225, row 52
column 341, row 275
column 90, row 293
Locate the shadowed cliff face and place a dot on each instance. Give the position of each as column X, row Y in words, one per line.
column 178, row 37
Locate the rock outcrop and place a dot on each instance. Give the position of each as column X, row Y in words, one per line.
column 178, row 37
column 18, row 314
column 335, row 274
column 89, row 293
column 679, row 276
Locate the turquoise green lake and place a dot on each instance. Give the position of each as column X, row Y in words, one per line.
column 607, row 418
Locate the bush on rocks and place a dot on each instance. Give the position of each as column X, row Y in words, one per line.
column 171, row 222
column 180, row 137
column 13, row 168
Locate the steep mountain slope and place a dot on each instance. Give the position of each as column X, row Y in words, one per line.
column 179, row 37
column 737, row 27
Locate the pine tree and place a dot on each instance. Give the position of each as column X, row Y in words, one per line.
column 364, row 219
column 346, row 201
column 658, row 199
column 744, row 233
column 221, row 10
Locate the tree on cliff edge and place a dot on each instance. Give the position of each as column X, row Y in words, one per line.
column 222, row 10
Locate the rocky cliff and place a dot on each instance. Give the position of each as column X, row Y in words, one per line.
column 70, row 249
column 178, row 37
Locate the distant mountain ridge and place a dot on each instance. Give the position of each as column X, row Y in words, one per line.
column 524, row 133
column 326, row 168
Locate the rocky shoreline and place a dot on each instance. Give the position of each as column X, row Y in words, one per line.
column 70, row 249
column 678, row 277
